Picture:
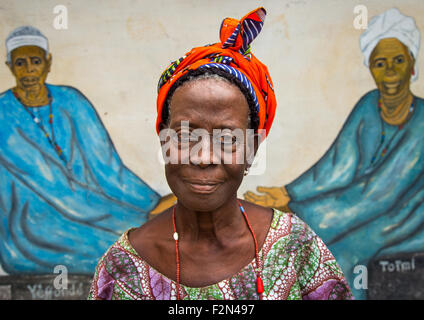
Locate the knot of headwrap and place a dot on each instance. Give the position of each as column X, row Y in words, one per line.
column 232, row 55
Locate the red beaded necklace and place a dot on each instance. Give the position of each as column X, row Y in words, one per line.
column 259, row 282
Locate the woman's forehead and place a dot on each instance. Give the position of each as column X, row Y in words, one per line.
column 208, row 123
column 209, row 101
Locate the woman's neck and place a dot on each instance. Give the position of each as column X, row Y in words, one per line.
column 33, row 97
column 395, row 109
column 219, row 227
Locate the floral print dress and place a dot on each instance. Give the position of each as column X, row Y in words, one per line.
column 295, row 264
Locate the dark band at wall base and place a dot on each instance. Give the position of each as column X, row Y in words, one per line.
column 44, row 287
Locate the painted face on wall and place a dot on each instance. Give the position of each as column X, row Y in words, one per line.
column 391, row 66
column 207, row 104
column 30, row 66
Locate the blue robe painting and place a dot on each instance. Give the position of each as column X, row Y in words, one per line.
column 62, row 211
column 363, row 202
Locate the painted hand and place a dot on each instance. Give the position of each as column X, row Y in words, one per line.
column 275, row 197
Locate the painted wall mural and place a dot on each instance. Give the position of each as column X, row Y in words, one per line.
column 66, row 195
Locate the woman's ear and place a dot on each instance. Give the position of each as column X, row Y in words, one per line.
column 260, row 137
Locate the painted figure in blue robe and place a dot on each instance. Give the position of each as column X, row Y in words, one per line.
column 365, row 196
column 65, row 195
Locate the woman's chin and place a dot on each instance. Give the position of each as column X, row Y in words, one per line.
column 202, row 202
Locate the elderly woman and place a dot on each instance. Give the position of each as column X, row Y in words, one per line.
column 210, row 245
column 364, row 197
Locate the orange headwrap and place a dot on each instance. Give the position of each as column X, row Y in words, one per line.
column 232, row 53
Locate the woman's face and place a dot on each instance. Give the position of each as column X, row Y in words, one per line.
column 204, row 114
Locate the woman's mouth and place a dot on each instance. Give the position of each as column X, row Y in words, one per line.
column 202, row 187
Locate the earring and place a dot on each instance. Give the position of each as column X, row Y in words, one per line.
column 246, row 171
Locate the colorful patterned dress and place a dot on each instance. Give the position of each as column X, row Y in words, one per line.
column 295, row 264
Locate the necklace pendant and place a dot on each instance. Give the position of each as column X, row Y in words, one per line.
column 259, row 285
column 36, row 120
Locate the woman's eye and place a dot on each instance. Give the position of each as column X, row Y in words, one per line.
column 227, row 140
column 399, row 60
column 182, row 138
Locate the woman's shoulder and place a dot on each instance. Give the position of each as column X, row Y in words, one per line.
column 150, row 235
column 281, row 224
column 119, row 256
column 137, row 242
column 289, row 234
column 118, row 271
column 295, row 246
